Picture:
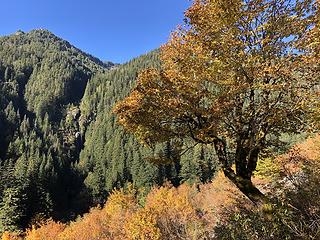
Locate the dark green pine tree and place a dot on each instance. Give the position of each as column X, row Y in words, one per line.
column 2, row 136
column 12, row 201
column 144, row 173
column 190, row 169
column 95, row 182
column 169, row 159
column 12, row 209
column 198, row 165
column 207, row 163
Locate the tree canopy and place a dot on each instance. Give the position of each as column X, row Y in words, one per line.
column 236, row 75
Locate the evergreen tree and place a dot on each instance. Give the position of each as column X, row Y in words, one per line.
column 12, row 209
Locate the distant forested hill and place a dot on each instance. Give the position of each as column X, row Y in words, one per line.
column 60, row 148
column 42, row 79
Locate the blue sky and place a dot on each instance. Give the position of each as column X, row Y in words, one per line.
column 115, row 30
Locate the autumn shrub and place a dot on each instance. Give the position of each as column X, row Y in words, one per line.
column 48, row 230
column 11, row 236
column 176, row 216
column 143, row 225
column 267, row 169
column 91, row 226
column 186, row 212
column 169, row 213
column 105, row 223
column 119, row 208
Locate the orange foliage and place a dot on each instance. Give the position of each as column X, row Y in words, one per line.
column 237, row 70
column 91, row 226
column 106, row 223
column 143, row 225
column 10, row 236
column 169, row 213
column 119, row 208
column 49, row 230
column 214, row 198
column 175, row 212
column 301, row 154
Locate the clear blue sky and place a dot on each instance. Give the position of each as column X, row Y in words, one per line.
column 114, row 30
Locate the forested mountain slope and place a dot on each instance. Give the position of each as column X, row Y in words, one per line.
column 41, row 73
column 60, row 148
column 111, row 158
column 42, row 80
column 48, row 70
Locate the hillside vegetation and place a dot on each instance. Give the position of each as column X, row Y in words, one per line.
column 60, row 148
column 214, row 210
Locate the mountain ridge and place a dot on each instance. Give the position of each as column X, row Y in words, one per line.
column 45, row 33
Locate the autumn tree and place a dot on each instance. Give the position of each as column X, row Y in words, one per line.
column 236, row 76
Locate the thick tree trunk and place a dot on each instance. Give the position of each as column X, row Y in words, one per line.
column 246, row 187
column 245, row 165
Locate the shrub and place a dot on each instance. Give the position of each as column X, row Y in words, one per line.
column 10, row 236
column 143, row 225
column 48, row 230
column 176, row 216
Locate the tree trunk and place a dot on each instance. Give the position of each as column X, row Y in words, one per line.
column 242, row 177
column 246, row 187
